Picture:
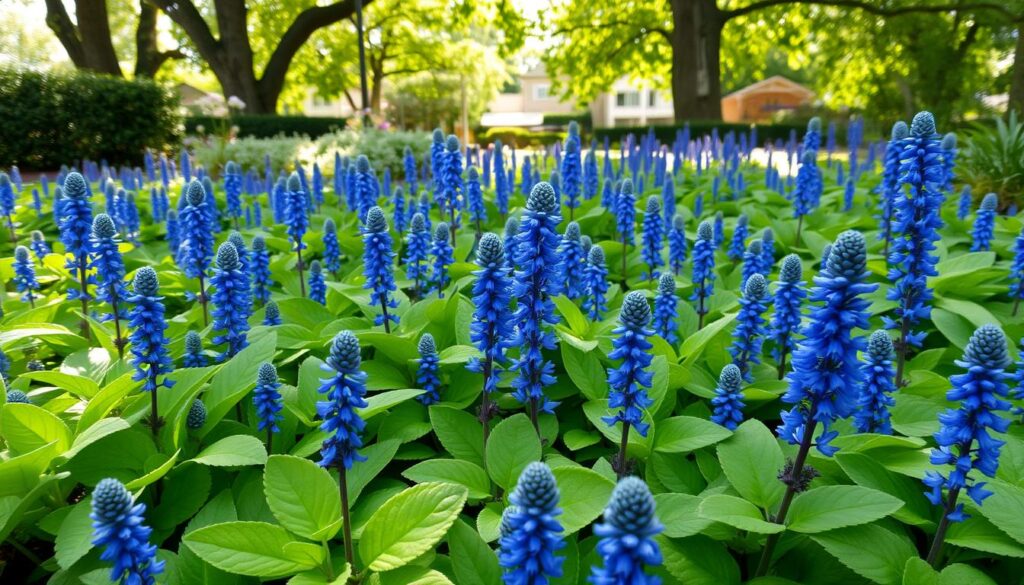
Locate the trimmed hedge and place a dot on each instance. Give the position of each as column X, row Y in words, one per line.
column 584, row 119
column 54, row 118
column 270, row 125
column 518, row 137
column 667, row 133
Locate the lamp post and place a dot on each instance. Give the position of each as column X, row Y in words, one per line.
column 362, row 65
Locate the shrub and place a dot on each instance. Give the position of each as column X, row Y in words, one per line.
column 667, row 133
column 993, row 159
column 519, row 137
column 269, row 126
column 53, row 118
column 584, row 119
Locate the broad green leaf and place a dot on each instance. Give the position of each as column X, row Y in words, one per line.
column 865, row 471
column 377, row 456
column 458, row 354
column 235, row 379
column 473, row 561
column 836, row 506
column 409, row 575
column 679, row 514
column 694, row 345
column 14, row 508
column 303, row 497
column 256, row 549
column 752, row 459
column 584, row 495
column 573, row 317
column 233, row 451
column 980, row 534
column 682, row 434
column 74, row 539
column 157, row 470
column 464, row 473
column 102, row 428
column 870, row 551
column 698, row 560
column 1005, row 508
column 382, row 401
column 78, row 385
column 738, row 513
column 410, row 524
column 585, row 370
column 27, row 427
column 919, row 572
column 512, row 445
column 460, row 433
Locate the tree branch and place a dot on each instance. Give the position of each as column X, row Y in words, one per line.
column 59, row 21
column 185, row 15
column 872, row 7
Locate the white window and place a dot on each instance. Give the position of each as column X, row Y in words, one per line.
column 652, row 99
column 541, row 91
column 627, row 99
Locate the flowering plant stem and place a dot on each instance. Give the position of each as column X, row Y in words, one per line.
column 83, row 280
column 202, row 299
column 346, row 521
column 948, row 508
column 792, row 482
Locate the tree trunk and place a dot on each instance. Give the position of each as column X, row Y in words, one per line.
column 88, row 43
column 1017, row 76
column 376, row 87
column 696, row 70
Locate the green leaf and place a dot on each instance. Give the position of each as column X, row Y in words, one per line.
column 303, row 497
column 473, row 561
column 870, row 551
column 738, row 513
column 382, row 401
column 460, row 433
column 233, row 451
column 585, row 370
column 255, row 549
column 751, row 460
column 27, row 427
column 410, row 524
column 74, row 539
column 235, row 379
column 698, row 560
column 512, row 445
column 980, row 534
column 102, row 428
column 410, row 575
column 584, row 495
column 458, row 354
column 679, row 514
column 78, row 385
column 836, row 506
column 694, row 345
column 919, row 572
column 682, row 434
column 865, row 471
column 377, row 456
column 573, row 317
column 464, row 473
column 1005, row 508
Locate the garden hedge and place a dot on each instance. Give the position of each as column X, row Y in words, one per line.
column 268, row 126
column 53, row 118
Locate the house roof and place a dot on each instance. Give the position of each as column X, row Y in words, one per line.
column 773, row 83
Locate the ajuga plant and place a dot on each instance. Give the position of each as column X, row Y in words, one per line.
column 267, row 400
column 173, row 232
column 590, row 176
column 196, row 417
column 666, row 309
column 491, row 327
column 409, row 166
column 915, row 227
column 509, row 239
column 109, row 267
column 963, row 208
column 984, row 224
column 378, row 261
column 233, row 191
column 677, row 244
column 698, row 205
column 38, row 244
column 232, row 302
column 346, row 392
column 767, row 252
column 703, row 270
column 555, row 180
column 25, row 275
column 196, row 249
column 964, row 439
column 297, row 223
column 194, row 357
column 825, row 380
column 728, row 401
column 424, row 209
column 417, row 245
column 572, row 169
column 668, row 202
column 451, row 187
column 749, row 333
column 119, row 528
column 608, row 194
column 317, row 286
column 875, row 399
column 628, row 381
column 150, row 356
column 806, row 191
column 443, row 255
column 7, row 201
column 625, row 219
column 752, row 261
column 17, row 396
column 332, row 251
column 238, row 241
column 738, row 243
column 398, row 216
column 530, row 531
column 427, row 373
column 271, row 314
column 627, row 546
column 825, row 252
column 437, row 159
column 1017, row 272
column 475, row 200
column 537, row 281
column 75, row 233
column 502, row 188
column 653, row 236
column 260, row 270
column 788, row 310
column 573, row 261
column 719, row 233
column 364, row 187
column 595, row 279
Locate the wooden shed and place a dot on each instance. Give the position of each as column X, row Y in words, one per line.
column 758, row 102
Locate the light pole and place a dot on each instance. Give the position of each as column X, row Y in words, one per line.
column 362, row 65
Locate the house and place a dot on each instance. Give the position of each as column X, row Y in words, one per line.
column 527, row 106
column 629, row 103
column 759, row 102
